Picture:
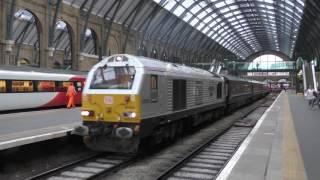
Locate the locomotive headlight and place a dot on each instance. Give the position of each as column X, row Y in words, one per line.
column 119, row 58
column 86, row 113
column 130, row 114
column 133, row 115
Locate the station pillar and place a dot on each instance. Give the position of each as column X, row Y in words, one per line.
column 6, row 45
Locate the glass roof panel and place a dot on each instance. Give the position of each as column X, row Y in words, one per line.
column 209, row 33
column 205, row 30
column 194, row 21
column 187, row 17
column 195, row 9
column 169, row 4
column 199, row 27
column 188, row 3
column 224, row 10
column 209, row 18
column 220, row 4
column 179, row 10
column 202, row 14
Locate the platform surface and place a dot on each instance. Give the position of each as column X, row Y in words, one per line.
column 285, row 144
column 22, row 128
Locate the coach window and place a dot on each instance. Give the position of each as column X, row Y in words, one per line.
column 63, row 86
column 154, row 87
column 22, row 86
column 46, row 86
column 78, row 86
column 3, row 87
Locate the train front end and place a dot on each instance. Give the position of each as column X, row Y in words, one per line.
column 111, row 108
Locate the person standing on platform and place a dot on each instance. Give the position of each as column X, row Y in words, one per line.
column 309, row 95
column 316, row 100
column 71, row 93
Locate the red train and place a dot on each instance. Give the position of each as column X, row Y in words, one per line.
column 25, row 88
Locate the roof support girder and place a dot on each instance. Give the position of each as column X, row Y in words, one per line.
column 85, row 16
column 52, row 21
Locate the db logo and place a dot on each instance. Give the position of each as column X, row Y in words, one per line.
column 108, row 100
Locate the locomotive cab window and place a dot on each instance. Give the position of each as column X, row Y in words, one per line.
column 3, row 86
column 107, row 77
column 154, row 88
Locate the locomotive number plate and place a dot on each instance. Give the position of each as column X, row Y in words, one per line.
column 108, row 100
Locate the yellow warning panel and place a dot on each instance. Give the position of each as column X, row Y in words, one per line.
column 292, row 163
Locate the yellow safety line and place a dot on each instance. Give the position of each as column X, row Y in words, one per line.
column 293, row 166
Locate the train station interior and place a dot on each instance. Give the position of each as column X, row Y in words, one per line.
column 160, row 89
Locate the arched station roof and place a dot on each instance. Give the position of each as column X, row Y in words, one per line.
column 242, row 27
column 207, row 27
column 308, row 44
column 153, row 22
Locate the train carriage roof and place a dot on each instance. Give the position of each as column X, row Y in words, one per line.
column 41, row 70
column 30, row 73
column 235, row 78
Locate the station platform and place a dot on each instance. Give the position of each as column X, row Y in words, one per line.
column 23, row 128
column 285, row 144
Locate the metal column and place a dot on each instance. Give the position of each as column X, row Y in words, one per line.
column 304, row 77
column 313, row 64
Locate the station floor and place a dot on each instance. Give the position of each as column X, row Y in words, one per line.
column 285, row 144
column 22, row 128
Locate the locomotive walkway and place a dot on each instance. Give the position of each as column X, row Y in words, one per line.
column 284, row 144
column 22, row 128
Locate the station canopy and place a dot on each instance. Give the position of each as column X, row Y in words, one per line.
column 241, row 26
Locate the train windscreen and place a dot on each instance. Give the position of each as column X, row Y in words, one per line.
column 108, row 77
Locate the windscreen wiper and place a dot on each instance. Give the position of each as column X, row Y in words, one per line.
column 102, row 68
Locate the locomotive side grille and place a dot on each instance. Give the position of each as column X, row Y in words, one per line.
column 190, row 94
column 169, row 101
column 206, row 98
column 198, row 93
column 209, row 95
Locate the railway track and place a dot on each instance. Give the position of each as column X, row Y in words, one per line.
column 88, row 168
column 208, row 159
column 205, row 162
